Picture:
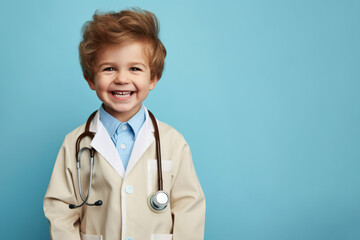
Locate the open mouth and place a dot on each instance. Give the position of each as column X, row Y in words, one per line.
column 122, row 94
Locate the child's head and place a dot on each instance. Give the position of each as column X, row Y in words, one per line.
column 122, row 59
column 119, row 28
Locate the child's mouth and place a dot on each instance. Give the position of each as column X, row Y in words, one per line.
column 122, row 95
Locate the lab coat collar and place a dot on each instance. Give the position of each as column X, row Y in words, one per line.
column 143, row 140
column 105, row 147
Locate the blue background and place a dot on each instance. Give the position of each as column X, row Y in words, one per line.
column 265, row 92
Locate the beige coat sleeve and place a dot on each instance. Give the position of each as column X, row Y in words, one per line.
column 187, row 201
column 64, row 222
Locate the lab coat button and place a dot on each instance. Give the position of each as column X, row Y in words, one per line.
column 123, row 146
column 129, row 189
column 129, row 238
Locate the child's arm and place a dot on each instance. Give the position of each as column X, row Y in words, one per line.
column 64, row 222
column 187, row 201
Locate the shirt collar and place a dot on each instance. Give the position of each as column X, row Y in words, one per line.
column 137, row 121
column 111, row 123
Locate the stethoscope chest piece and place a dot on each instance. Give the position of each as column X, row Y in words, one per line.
column 159, row 201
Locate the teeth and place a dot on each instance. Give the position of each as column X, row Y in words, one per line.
column 121, row 94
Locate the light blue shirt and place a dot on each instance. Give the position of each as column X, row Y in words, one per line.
column 123, row 135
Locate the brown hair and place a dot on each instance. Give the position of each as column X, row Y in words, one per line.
column 134, row 25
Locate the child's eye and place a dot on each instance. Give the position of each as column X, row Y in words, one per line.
column 134, row 69
column 109, row 69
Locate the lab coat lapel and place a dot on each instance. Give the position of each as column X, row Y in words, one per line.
column 143, row 140
column 104, row 145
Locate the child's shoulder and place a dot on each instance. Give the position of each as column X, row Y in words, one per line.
column 170, row 134
column 74, row 134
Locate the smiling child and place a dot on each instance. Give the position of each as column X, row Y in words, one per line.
column 122, row 59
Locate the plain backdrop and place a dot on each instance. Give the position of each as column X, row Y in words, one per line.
column 266, row 92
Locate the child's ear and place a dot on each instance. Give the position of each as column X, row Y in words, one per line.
column 90, row 82
column 153, row 83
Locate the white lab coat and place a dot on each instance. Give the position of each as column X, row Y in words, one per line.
column 125, row 213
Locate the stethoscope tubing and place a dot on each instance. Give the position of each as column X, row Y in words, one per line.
column 158, row 152
column 156, row 200
column 79, row 173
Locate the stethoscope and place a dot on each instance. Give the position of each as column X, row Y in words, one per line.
column 157, row 201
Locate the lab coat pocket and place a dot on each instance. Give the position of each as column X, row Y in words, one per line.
column 167, row 167
column 90, row 237
column 161, row 236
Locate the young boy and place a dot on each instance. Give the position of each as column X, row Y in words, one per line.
column 122, row 59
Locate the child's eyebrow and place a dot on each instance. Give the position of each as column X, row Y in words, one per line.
column 130, row 63
column 137, row 63
column 105, row 63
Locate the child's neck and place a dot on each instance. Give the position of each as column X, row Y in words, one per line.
column 122, row 116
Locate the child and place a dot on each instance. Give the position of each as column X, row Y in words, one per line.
column 122, row 59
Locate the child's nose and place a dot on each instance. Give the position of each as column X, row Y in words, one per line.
column 121, row 77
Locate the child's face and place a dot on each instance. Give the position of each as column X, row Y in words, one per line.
column 122, row 79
